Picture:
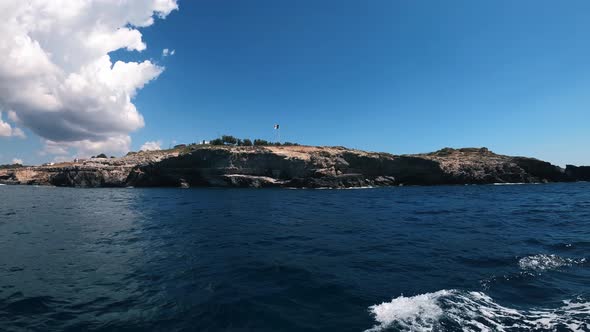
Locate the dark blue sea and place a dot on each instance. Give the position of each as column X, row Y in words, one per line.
column 447, row 258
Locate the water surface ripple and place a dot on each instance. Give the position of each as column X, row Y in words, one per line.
column 446, row 258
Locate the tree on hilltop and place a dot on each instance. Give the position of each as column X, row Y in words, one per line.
column 227, row 139
column 261, row 142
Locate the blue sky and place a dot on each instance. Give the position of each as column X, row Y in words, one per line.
column 381, row 75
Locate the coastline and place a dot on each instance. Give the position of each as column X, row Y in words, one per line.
column 294, row 167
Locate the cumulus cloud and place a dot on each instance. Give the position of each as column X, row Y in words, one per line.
column 17, row 161
column 85, row 148
column 13, row 117
column 56, row 75
column 6, row 130
column 17, row 132
column 151, row 146
column 62, row 159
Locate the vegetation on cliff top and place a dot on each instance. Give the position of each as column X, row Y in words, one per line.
column 231, row 140
column 7, row 166
column 224, row 140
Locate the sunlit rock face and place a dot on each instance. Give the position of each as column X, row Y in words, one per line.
column 293, row 166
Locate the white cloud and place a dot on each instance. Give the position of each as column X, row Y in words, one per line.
column 13, row 117
column 61, row 159
column 54, row 148
column 151, row 146
column 86, row 148
column 17, row 132
column 6, row 130
column 56, row 75
column 16, row 161
column 166, row 52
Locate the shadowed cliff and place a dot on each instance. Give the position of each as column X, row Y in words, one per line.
column 293, row 166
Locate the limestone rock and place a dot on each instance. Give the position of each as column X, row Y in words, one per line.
column 293, row 166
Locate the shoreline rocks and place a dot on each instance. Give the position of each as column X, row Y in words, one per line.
column 295, row 167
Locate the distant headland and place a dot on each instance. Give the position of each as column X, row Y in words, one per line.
column 229, row 162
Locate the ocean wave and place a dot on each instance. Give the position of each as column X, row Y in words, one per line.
column 544, row 262
column 453, row 310
column 344, row 188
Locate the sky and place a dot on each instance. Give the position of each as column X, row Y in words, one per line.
column 79, row 78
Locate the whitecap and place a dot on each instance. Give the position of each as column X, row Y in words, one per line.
column 408, row 312
column 357, row 188
column 474, row 311
column 343, row 188
column 544, row 262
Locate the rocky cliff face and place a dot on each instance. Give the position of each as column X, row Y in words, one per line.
column 580, row 173
column 293, row 166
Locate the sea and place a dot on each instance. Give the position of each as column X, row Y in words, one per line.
column 443, row 258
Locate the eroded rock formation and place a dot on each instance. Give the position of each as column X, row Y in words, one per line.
column 293, row 166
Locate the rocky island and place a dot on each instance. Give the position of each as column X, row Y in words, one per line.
column 293, row 167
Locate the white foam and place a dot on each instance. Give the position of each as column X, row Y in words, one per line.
column 508, row 183
column 474, row 311
column 543, row 262
column 407, row 312
column 346, row 188
column 329, row 188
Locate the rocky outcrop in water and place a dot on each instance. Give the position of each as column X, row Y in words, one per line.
column 293, row 166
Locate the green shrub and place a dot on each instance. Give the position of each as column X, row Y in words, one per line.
column 216, row 141
column 229, row 139
column 11, row 166
column 261, row 142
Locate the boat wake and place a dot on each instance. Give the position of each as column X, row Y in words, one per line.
column 453, row 310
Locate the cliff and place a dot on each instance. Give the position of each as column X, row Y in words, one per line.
column 293, row 166
column 580, row 173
